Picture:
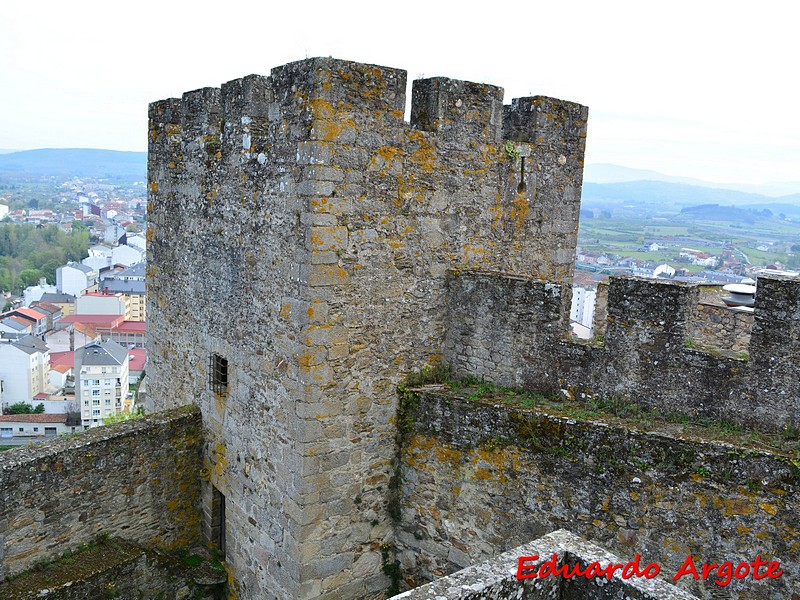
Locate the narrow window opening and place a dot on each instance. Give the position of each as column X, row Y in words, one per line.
column 218, row 520
column 522, row 186
column 218, row 373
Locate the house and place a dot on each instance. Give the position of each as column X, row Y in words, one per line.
column 126, row 255
column 589, row 258
column 131, row 334
column 64, row 301
column 102, row 323
column 664, row 270
column 98, row 303
column 68, row 336
column 97, row 263
column 34, row 426
column 35, row 292
column 101, row 381
column 131, row 283
column 698, row 257
column 24, row 369
column 60, row 377
column 75, row 279
column 14, row 327
column 137, row 360
column 137, row 241
column 582, row 310
column 53, row 311
column 113, row 233
column 99, row 257
column 36, row 317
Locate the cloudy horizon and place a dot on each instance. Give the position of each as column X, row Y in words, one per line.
column 700, row 91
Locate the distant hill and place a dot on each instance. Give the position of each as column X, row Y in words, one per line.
column 74, row 162
column 608, row 173
column 715, row 212
column 677, row 195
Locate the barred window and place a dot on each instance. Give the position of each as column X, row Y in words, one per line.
column 218, row 374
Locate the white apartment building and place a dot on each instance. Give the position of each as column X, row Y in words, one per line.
column 101, row 381
column 75, row 278
column 582, row 309
column 97, row 303
column 24, row 369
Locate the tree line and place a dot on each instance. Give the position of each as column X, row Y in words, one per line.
column 28, row 253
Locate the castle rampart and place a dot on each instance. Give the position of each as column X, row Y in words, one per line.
column 511, row 331
column 137, row 480
column 300, row 232
column 480, row 476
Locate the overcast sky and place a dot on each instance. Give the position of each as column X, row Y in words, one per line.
column 702, row 89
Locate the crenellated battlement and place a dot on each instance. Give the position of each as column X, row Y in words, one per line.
column 513, row 333
column 300, row 232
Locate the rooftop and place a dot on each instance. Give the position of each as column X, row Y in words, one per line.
column 31, row 345
column 96, row 320
column 66, row 359
column 138, row 358
column 131, row 327
column 102, row 353
column 39, row 418
column 57, row 297
column 79, row 267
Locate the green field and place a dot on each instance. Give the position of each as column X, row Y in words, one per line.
column 625, row 236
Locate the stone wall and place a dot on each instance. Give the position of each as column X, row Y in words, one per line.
column 722, row 328
column 478, row 479
column 300, row 230
column 114, row 569
column 511, row 331
column 137, row 480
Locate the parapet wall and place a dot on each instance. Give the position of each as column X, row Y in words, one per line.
column 511, row 331
column 300, row 230
column 722, row 327
column 478, row 479
column 137, row 480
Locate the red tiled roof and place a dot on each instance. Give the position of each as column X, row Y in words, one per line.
column 66, row 359
column 30, row 313
column 131, row 327
column 40, row 418
column 138, row 357
column 46, row 305
column 20, row 320
column 97, row 320
column 87, row 330
column 61, row 368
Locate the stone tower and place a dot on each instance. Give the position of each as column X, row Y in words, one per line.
column 300, row 231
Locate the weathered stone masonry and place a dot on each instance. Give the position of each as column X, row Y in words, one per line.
column 510, row 330
column 300, row 242
column 137, row 480
column 301, row 230
column 301, row 233
column 479, row 479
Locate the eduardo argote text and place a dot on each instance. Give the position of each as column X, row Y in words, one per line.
column 722, row 574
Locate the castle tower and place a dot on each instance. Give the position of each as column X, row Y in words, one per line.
column 300, row 232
